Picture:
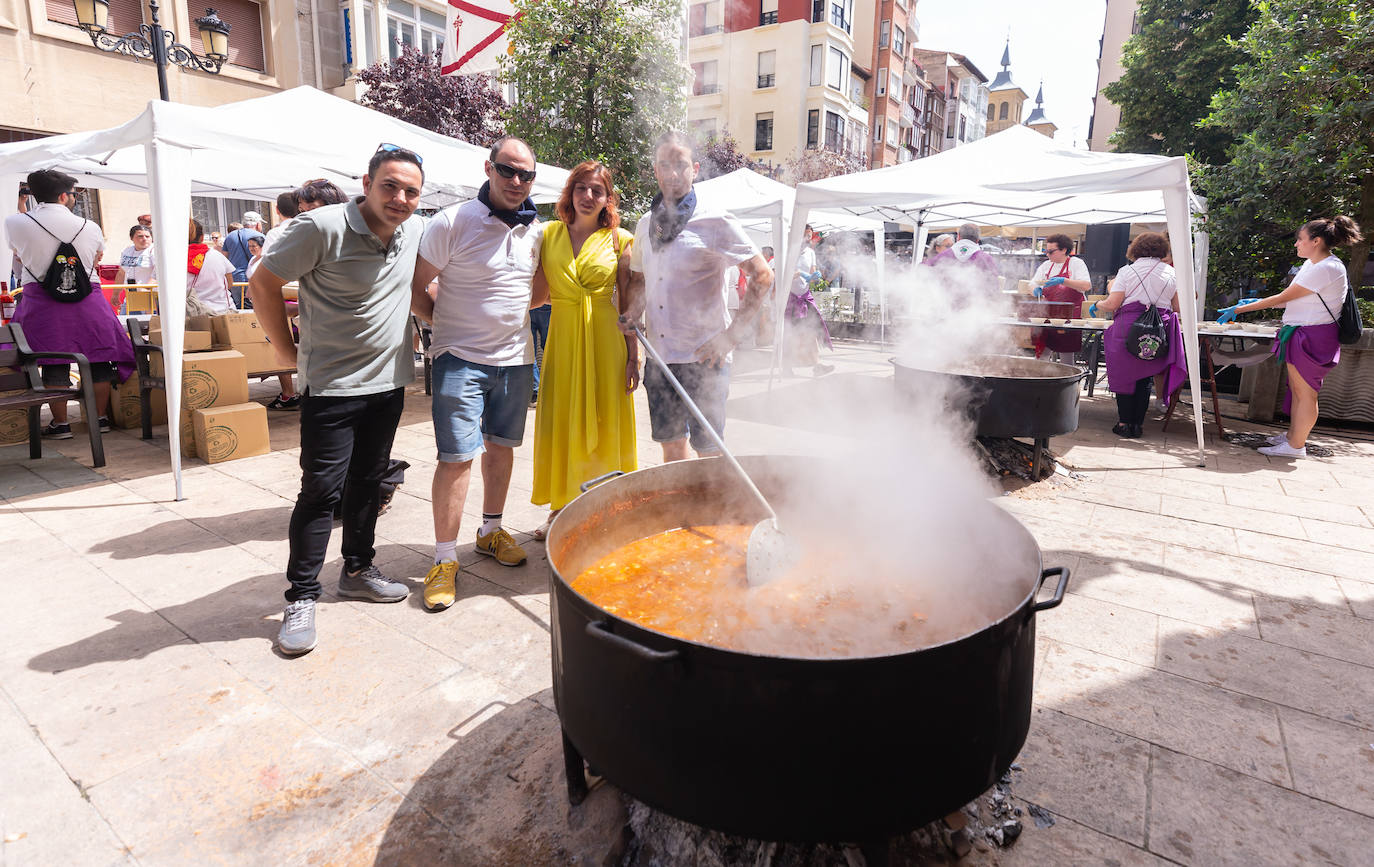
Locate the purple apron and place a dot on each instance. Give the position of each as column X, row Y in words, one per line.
column 1314, row 350
column 1124, row 370
column 89, row 327
column 801, row 307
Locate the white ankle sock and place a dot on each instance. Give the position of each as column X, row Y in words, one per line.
column 490, row 524
column 445, row 551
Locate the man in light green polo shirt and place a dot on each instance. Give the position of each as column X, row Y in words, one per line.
column 354, row 263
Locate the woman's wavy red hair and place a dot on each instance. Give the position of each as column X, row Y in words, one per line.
column 583, row 171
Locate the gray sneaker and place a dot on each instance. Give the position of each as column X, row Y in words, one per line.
column 297, row 633
column 372, row 585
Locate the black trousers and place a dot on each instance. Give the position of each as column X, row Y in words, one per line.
column 345, row 452
column 1132, row 408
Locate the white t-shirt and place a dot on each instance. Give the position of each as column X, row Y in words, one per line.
column 1326, row 279
column 138, row 265
column 274, row 233
column 1159, row 287
column 486, row 276
column 1077, row 271
column 36, row 247
column 684, row 282
column 209, row 283
column 806, row 264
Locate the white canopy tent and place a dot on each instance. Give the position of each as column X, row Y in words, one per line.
column 256, row 148
column 1019, row 177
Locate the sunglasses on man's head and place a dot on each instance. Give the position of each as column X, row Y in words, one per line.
column 389, row 148
column 505, row 171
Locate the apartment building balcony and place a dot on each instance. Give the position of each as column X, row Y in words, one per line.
column 908, row 116
column 909, row 76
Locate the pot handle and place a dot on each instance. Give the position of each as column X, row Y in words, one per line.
column 591, row 483
column 1063, row 572
column 600, row 630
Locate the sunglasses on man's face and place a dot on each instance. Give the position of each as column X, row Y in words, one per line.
column 389, row 148
column 505, row 171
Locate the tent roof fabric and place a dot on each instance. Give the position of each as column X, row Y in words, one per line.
column 259, row 147
column 755, row 199
column 1016, row 177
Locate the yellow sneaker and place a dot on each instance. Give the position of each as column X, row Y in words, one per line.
column 500, row 545
column 439, row 585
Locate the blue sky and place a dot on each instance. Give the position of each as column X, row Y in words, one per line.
column 1053, row 39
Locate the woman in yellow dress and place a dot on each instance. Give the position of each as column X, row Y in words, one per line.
column 585, row 421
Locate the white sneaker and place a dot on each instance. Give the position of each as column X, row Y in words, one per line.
column 1284, row 450
column 1277, row 438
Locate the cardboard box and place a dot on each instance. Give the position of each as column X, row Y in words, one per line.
column 232, row 329
column 258, row 357
column 211, row 379
column 194, row 341
column 224, row 433
column 125, row 411
column 14, row 423
column 1092, row 299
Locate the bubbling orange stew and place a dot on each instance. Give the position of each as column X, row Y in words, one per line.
column 691, row 583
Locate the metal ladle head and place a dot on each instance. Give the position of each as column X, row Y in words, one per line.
column 771, row 553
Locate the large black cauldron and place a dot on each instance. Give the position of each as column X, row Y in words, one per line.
column 1005, row 395
column 780, row 748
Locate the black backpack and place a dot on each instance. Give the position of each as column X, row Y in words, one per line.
column 1147, row 338
column 67, row 279
column 1348, row 324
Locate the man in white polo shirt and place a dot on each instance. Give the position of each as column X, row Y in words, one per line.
column 484, row 253
column 677, row 267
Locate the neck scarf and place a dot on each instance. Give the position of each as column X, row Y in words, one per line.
column 195, row 257
column 523, row 215
column 669, row 220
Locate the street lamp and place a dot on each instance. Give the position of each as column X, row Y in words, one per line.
column 154, row 43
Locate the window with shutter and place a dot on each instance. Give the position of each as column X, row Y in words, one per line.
column 125, row 15
column 244, row 18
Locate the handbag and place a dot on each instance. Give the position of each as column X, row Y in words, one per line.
column 1147, row 338
column 1348, row 324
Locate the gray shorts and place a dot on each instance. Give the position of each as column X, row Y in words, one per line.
column 669, row 417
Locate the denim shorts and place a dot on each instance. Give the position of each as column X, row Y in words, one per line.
column 669, row 417
column 477, row 402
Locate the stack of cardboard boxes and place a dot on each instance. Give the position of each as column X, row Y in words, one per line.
column 243, row 332
column 218, row 422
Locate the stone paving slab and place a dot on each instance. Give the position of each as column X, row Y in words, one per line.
column 1202, row 695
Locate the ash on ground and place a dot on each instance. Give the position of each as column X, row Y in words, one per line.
column 1252, row 440
column 972, row 834
column 1010, row 459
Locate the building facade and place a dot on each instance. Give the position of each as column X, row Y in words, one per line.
column 782, row 76
column 1120, row 24
column 966, row 95
column 55, row 81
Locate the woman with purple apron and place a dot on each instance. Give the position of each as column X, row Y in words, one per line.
column 1145, row 282
column 1308, row 345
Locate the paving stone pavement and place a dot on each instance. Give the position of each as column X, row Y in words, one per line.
column 1205, row 694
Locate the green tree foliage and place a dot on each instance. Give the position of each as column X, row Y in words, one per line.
column 411, row 88
column 1302, row 110
column 1182, row 55
column 597, row 79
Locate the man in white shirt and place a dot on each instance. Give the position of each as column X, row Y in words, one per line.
column 88, row 325
column 484, row 253
column 677, row 268
column 136, row 262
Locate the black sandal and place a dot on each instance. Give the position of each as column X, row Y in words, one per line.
column 1122, row 429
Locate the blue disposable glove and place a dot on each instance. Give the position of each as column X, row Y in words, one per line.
column 1229, row 313
column 1037, row 292
column 1092, row 310
column 1054, row 281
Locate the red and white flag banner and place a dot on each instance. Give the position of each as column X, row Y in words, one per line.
column 476, row 35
